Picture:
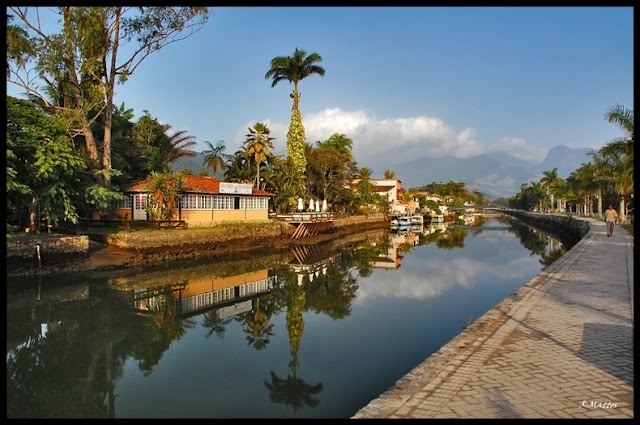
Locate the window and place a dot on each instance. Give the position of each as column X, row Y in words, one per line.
column 124, row 203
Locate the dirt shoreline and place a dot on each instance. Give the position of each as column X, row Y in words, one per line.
column 105, row 258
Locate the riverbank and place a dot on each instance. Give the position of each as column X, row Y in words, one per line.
column 107, row 252
column 560, row 347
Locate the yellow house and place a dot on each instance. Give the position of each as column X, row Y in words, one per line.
column 205, row 201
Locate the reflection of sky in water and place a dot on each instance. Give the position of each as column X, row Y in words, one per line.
column 357, row 351
column 428, row 271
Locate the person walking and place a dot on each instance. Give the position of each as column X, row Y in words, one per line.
column 610, row 217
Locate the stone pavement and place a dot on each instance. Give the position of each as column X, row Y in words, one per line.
column 560, row 347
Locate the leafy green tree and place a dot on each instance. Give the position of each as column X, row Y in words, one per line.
column 85, row 53
column 327, row 168
column 389, row 174
column 259, row 144
column 44, row 173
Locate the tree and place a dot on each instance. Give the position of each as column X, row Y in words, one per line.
column 548, row 182
column 85, row 53
column 389, row 174
column 44, row 173
column 258, row 144
column 338, row 143
column 294, row 69
column 239, row 167
column 620, row 153
column 164, row 190
column 179, row 145
column 296, row 141
column 214, row 157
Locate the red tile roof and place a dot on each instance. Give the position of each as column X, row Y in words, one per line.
column 195, row 184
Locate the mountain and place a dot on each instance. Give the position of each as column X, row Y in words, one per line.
column 565, row 159
column 495, row 175
column 194, row 164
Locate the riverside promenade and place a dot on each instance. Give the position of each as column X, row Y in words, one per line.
column 560, row 347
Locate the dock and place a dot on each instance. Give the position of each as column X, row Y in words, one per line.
column 309, row 224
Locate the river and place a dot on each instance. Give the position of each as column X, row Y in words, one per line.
column 317, row 334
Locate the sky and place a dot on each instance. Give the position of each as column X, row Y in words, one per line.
column 400, row 82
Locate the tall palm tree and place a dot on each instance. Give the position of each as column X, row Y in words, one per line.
column 214, row 157
column 548, row 182
column 620, row 152
column 294, row 69
column 258, row 144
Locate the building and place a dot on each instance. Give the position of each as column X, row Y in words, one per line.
column 205, row 201
column 389, row 189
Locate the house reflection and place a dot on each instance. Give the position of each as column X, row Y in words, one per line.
column 232, row 294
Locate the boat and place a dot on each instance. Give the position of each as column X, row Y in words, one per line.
column 417, row 219
column 404, row 221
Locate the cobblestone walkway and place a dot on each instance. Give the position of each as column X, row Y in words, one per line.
column 560, row 347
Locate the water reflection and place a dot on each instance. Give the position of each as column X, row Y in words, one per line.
column 70, row 347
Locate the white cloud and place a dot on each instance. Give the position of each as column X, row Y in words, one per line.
column 376, row 140
column 434, row 280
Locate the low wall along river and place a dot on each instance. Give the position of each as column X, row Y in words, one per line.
column 65, row 254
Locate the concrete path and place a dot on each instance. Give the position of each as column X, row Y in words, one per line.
column 560, row 347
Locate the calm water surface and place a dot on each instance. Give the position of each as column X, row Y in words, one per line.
column 318, row 333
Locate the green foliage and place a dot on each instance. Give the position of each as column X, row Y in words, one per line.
column 296, row 141
column 164, row 195
column 258, row 145
column 103, row 199
column 432, row 205
column 43, row 170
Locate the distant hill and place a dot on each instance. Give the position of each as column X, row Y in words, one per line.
column 496, row 175
column 195, row 165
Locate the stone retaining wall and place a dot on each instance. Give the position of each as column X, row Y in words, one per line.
column 567, row 229
column 28, row 248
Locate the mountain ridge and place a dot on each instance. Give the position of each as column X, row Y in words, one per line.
column 495, row 175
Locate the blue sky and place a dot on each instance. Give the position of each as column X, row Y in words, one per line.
column 401, row 82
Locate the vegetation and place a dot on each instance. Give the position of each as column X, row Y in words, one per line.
column 294, row 69
column 80, row 65
column 70, row 149
column 608, row 179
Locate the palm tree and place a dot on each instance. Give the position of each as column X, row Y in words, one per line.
column 258, row 145
column 214, row 157
column 620, row 152
column 389, row 174
column 338, row 143
column 548, row 182
column 294, row 69
column 180, row 144
column 239, row 168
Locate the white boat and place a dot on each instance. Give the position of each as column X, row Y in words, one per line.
column 404, row 221
column 417, row 219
